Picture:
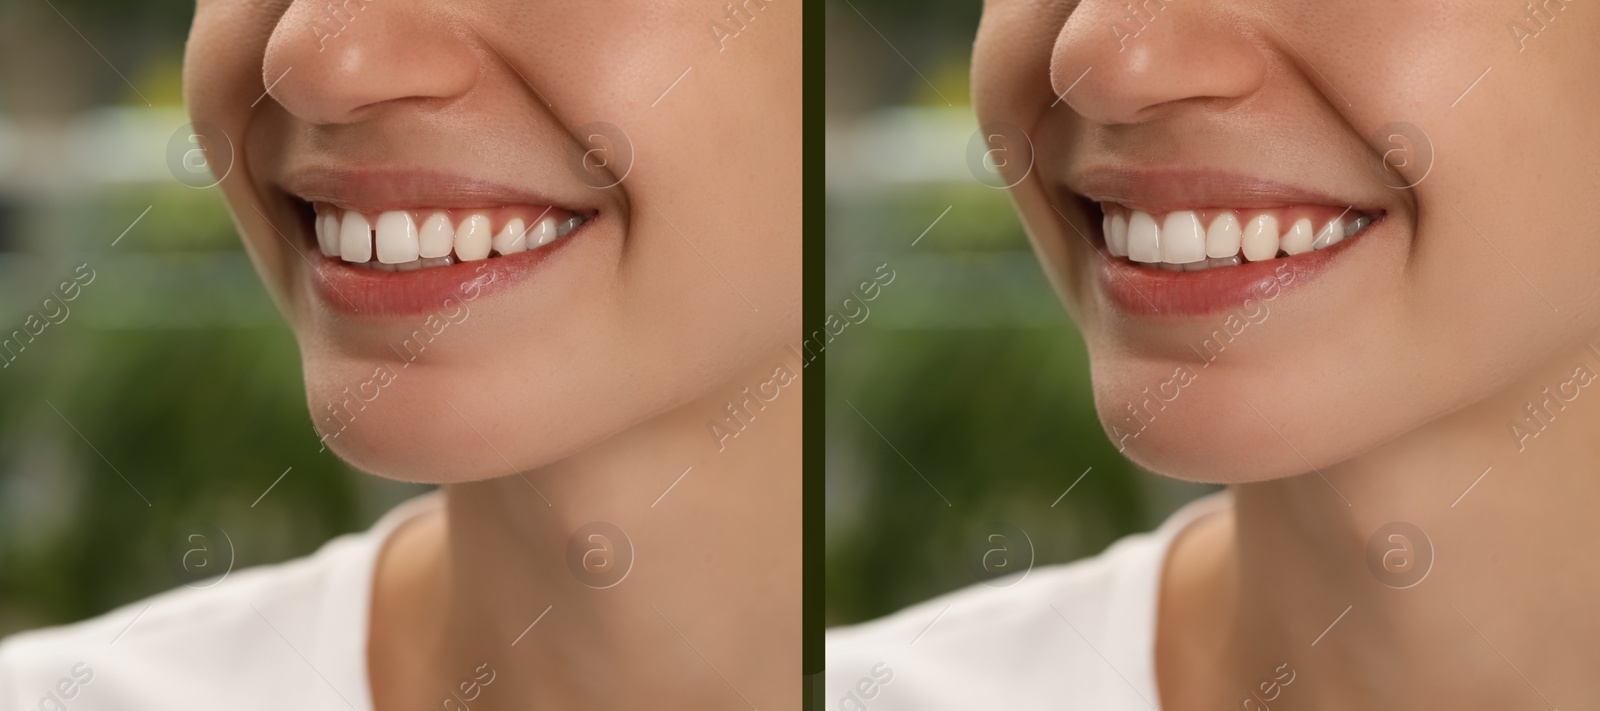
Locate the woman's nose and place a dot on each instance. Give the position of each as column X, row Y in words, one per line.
column 1124, row 60
column 336, row 61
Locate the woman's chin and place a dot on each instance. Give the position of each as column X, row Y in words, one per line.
column 1199, row 442
column 417, row 432
column 414, row 457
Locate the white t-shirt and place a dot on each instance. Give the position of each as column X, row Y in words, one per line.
column 285, row 636
column 1075, row 636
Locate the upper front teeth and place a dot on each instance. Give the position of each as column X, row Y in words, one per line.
column 355, row 238
column 1144, row 238
column 401, row 245
column 1183, row 238
column 1181, row 241
column 397, row 238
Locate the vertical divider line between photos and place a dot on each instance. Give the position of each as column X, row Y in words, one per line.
column 813, row 261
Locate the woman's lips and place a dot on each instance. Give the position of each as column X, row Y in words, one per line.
column 1147, row 291
column 1195, row 262
column 1193, row 242
column 399, row 243
column 367, row 291
column 378, row 189
column 1166, row 189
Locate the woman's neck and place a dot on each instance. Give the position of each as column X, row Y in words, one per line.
column 530, row 574
column 1325, row 574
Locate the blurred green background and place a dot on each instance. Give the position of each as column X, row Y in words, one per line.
column 171, row 369
column 960, row 407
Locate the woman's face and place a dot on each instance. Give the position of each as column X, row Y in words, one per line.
column 1197, row 130
column 503, row 230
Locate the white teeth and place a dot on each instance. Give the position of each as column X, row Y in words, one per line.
column 1260, row 238
column 328, row 234
column 513, row 238
column 1222, row 238
column 1144, row 238
column 1330, row 234
column 1183, row 238
column 1118, row 239
column 1181, row 242
column 355, row 237
column 473, row 240
column 437, row 237
column 397, row 237
column 544, row 232
column 1297, row 240
column 393, row 240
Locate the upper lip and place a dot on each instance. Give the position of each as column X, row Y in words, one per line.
column 1171, row 189
column 377, row 190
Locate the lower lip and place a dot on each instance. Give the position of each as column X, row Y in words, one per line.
column 1146, row 291
column 358, row 291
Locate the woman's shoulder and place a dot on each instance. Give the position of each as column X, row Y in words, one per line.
column 1082, row 631
column 241, row 640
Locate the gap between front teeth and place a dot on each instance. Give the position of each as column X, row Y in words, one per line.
column 1180, row 242
column 395, row 242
